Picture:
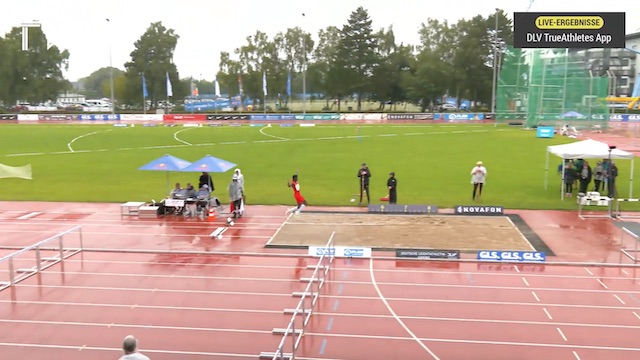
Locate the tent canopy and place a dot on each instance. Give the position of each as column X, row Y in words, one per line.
column 587, row 149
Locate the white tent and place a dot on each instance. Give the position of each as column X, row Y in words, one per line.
column 587, row 149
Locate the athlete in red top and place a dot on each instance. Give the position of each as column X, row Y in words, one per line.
column 300, row 200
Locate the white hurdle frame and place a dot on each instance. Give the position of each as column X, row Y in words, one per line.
column 631, row 254
column 609, row 213
column 618, row 210
column 308, row 300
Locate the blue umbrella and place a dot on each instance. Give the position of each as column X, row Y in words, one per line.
column 209, row 164
column 166, row 163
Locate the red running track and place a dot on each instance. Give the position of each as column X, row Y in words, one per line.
column 190, row 306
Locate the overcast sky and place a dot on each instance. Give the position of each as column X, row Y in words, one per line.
column 207, row 27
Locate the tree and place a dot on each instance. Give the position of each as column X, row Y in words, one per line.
column 153, row 57
column 98, row 84
column 357, row 53
column 325, row 70
column 34, row 75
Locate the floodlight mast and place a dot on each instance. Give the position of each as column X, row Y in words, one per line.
column 25, row 32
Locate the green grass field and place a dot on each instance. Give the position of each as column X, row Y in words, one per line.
column 432, row 162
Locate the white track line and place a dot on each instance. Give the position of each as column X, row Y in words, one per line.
column 78, row 138
column 562, row 334
column 29, row 215
column 617, row 297
column 525, row 281
column 279, row 229
column 588, row 271
column 535, row 296
column 576, row 355
column 208, row 144
column 271, row 136
column 386, row 303
column 175, row 136
column 636, row 314
column 547, row 313
column 601, row 283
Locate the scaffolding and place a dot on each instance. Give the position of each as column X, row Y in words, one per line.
column 551, row 87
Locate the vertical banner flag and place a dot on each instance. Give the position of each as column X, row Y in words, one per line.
column 289, row 84
column 240, row 90
column 169, row 87
column 217, row 87
column 264, row 83
column 145, row 93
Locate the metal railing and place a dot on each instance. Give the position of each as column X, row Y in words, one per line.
column 54, row 246
column 294, row 332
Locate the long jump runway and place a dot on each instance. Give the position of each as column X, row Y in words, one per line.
column 190, row 306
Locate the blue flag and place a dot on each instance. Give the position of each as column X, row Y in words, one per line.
column 289, row 84
column 145, row 93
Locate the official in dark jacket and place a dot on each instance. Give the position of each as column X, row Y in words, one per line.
column 392, row 184
column 364, row 174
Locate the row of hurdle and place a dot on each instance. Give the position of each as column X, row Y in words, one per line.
column 293, row 333
column 614, row 207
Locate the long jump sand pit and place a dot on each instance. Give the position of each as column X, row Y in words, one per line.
column 451, row 232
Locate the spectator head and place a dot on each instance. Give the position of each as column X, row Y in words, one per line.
column 479, row 163
column 295, row 177
column 392, row 174
column 234, row 177
column 130, row 344
column 364, row 165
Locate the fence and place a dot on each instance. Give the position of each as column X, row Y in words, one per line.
column 308, row 299
column 45, row 254
column 632, row 252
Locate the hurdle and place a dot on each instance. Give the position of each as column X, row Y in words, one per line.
column 618, row 210
column 631, row 254
column 217, row 233
column 594, row 199
column 301, row 315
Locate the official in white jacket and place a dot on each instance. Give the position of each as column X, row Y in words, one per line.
column 478, row 176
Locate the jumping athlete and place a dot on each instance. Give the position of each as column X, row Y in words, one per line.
column 300, row 201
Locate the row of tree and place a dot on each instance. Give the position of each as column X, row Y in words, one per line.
column 352, row 60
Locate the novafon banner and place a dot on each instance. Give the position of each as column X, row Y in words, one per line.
column 340, row 251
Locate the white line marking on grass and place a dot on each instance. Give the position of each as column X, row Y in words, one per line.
column 535, row 296
column 562, row 334
column 386, row 303
column 271, row 136
column 617, row 297
column 547, row 312
column 233, row 142
column 576, row 355
column 601, row 283
column 78, row 138
column 388, row 135
column 175, row 136
column 416, row 133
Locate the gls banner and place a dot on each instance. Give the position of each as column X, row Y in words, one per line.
column 340, row 251
column 478, row 210
column 624, row 117
column 99, row 117
column 531, row 256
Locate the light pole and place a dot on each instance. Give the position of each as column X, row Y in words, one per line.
column 304, row 73
column 113, row 102
column 495, row 69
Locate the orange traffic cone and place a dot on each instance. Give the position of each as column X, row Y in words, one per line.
column 212, row 214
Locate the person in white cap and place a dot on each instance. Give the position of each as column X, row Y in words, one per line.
column 238, row 173
column 130, row 348
column 478, row 176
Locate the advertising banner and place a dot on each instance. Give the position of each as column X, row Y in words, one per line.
column 228, row 117
column 56, row 117
column 478, row 210
column 27, row 117
column 532, row 256
column 427, row 254
column 624, row 117
column 452, row 117
column 341, row 251
column 306, row 117
column 184, row 117
column 104, row 117
column 545, row 132
column 141, row 117
column 8, row 117
column 420, row 116
column 352, row 117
